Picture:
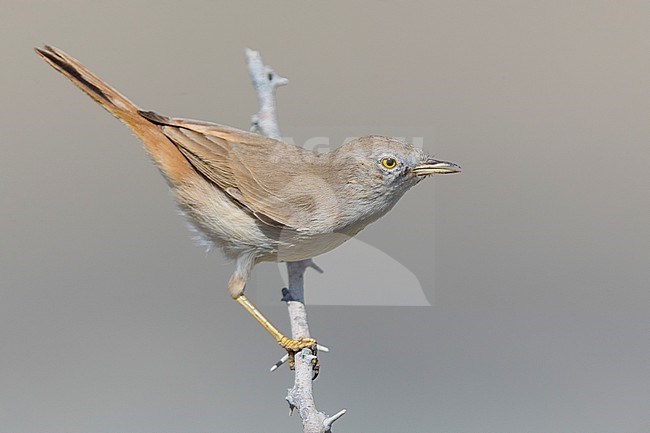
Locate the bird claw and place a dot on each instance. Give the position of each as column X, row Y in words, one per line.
column 293, row 346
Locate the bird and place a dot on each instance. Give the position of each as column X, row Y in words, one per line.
column 259, row 199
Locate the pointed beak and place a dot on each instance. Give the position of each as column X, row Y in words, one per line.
column 432, row 166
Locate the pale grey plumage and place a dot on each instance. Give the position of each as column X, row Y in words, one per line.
column 292, row 204
column 260, row 199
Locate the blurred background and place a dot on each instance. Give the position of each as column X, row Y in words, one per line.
column 535, row 260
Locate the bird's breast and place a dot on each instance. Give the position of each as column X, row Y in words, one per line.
column 291, row 247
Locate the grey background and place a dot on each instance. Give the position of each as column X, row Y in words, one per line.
column 111, row 320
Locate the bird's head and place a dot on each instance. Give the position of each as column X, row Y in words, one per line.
column 379, row 170
column 390, row 163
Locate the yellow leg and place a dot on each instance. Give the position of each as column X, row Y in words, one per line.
column 290, row 345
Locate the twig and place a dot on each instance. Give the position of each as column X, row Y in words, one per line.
column 300, row 397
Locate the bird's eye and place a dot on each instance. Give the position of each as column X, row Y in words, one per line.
column 389, row 163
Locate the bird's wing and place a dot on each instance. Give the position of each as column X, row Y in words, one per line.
column 244, row 165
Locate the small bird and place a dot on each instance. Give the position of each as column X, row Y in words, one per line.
column 260, row 199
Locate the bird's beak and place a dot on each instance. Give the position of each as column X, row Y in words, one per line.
column 432, row 166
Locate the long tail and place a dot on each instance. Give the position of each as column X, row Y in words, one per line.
column 164, row 153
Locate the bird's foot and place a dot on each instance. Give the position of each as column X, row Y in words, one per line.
column 293, row 346
column 296, row 345
column 285, row 359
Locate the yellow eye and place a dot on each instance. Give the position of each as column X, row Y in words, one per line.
column 389, row 163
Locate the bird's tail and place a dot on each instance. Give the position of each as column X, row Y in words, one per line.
column 164, row 153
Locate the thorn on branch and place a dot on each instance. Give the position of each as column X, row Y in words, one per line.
column 255, row 123
column 329, row 421
column 292, row 406
column 314, row 266
column 278, row 364
column 286, row 296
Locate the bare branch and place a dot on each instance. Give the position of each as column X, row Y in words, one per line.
column 300, row 397
column 265, row 81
